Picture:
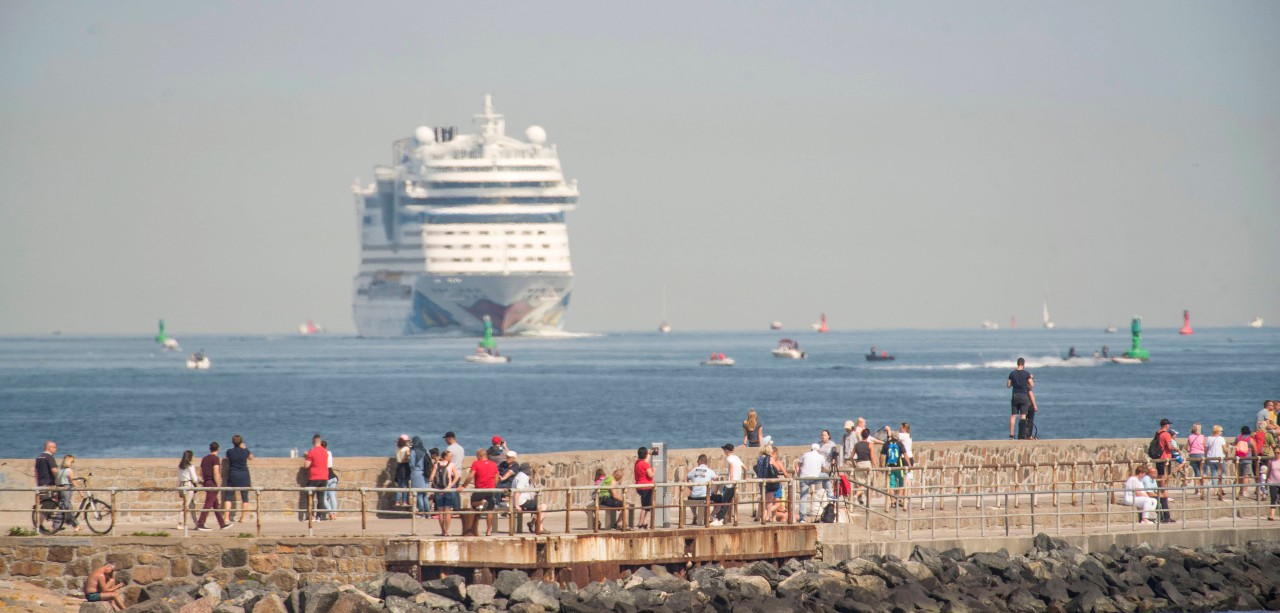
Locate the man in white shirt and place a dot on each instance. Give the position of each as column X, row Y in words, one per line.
column 1136, row 496
column 459, row 454
column 809, row 470
column 699, row 476
column 726, row 496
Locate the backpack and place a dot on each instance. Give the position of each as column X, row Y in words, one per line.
column 442, row 477
column 1244, row 447
column 427, row 464
column 764, row 468
column 829, row 513
column 1153, row 448
column 892, row 453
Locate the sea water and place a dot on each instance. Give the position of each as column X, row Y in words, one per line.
column 125, row 397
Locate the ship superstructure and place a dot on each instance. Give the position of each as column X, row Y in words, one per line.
column 465, row 226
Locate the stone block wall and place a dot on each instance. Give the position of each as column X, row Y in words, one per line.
column 573, row 468
column 63, row 563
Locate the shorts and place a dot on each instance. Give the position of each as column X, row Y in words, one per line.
column 1021, row 404
column 1163, row 467
column 236, row 480
column 447, row 500
column 1245, row 467
column 610, row 502
column 646, row 498
column 94, row 597
column 1275, row 495
column 862, row 470
column 895, row 479
column 482, row 501
column 529, row 505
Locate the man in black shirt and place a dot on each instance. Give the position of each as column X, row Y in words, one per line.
column 1024, row 400
column 47, row 466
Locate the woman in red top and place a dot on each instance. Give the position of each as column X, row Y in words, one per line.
column 644, row 476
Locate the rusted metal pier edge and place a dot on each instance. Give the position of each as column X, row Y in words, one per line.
column 583, row 558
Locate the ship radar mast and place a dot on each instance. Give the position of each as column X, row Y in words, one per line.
column 491, row 123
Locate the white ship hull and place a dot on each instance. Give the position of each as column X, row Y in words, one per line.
column 457, row 304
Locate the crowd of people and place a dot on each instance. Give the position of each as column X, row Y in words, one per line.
column 850, row 464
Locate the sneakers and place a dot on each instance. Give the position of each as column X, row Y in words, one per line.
column 716, row 522
column 227, row 526
column 203, row 529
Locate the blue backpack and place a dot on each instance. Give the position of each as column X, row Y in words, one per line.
column 892, row 453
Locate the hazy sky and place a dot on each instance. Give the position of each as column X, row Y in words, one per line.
column 919, row 165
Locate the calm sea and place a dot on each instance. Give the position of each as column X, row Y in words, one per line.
column 123, row 397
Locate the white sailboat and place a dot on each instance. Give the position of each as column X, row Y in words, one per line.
column 1048, row 323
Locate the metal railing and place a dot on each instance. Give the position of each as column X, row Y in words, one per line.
column 1056, row 496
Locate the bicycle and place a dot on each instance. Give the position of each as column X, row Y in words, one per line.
column 48, row 517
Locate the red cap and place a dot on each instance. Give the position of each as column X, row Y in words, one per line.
column 497, row 440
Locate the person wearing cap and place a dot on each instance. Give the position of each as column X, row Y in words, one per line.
column 847, row 442
column 497, row 449
column 726, row 496
column 809, row 470
column 451, row 443
column 508, row 468
column 402, row 469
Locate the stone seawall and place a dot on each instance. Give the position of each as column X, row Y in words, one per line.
column 569, row 469
column 64, row 562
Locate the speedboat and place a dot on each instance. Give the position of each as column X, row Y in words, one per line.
column 776, row 325
column 718, row 359
column 1110, row 330
column 198, row 361
column 1126, row 360
column 987, row 324
column 882, row 356
column 664, row 327
column 789, row 349
column 1256, row 323
column 488, row 358
column 170, row 344
column 309, row 328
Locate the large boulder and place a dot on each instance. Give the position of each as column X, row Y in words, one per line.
column 203, row 605
column 402, row 585
column 750, row 587
column 545, row 595
column 435, row 601
column 763, row 569
column 481, row 595
column 151, row 606
column 316, row 597
column 452, row 587
column 96, row 607
column 508, row 581
column 271, row 603
column 354, row 602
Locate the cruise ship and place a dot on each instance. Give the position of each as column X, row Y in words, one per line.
column 464, row 226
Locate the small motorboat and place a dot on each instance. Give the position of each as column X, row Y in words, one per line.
column 310, row 328
column 789, row 349
column 488, row 358
column 199, row 361
column 775, row 325
column 1256, row 322
column 987, row 324
column 1126, row 360
column 821, row 326
column 718, row 359
column 1110, row 330
column 883, row 356
column 664, row 328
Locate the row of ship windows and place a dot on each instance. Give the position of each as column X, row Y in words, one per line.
column 469, row 184
column 444, row 260
column 435, row 168
column 509, row 246
column 478, row 232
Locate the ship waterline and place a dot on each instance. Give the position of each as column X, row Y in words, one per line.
column 463, row 227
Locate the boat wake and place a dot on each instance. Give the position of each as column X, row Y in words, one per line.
column 1049, row 361
column 558, row 334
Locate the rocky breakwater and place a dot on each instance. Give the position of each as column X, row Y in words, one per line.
column 1053, row 576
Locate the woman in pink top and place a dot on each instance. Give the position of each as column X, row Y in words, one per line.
column 1195, row 451
column 1273, row 483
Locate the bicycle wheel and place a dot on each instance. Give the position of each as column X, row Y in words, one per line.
column 98, row 515
column 45, row 517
